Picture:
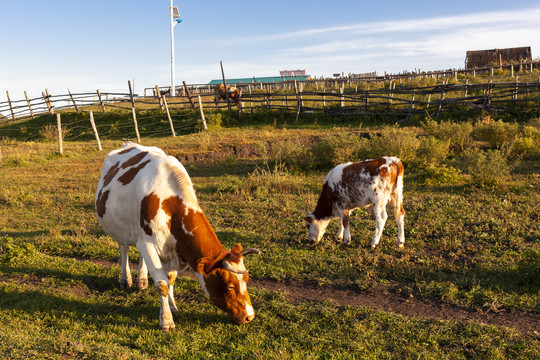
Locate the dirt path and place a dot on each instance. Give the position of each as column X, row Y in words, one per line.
column 384, row 297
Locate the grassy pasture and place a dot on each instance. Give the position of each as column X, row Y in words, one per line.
column 471, row 242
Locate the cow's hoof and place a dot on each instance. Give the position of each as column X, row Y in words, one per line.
column 142, row 284
column 338, row 239
column 401, row 246
column 167, row 327
column 125, row 284
column 373, row 246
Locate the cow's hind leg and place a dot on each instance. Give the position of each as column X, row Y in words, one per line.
column 399, row 214
column 380, row 219
column 125, row 275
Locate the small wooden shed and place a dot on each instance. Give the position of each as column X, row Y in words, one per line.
column 486, row 58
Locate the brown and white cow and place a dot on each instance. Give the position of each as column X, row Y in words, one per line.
column 368, row 184
column 234, row 94
column 146, row 199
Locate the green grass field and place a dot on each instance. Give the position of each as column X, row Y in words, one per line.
column 472, row 244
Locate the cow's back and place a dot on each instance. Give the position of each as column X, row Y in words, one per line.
column 130, row 179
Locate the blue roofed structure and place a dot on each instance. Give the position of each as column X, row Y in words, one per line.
column 256, row 80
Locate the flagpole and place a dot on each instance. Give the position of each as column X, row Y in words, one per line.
column 173, row 88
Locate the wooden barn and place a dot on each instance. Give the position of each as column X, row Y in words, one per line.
column 486, row 58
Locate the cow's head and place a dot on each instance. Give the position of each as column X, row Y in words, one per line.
column 225, row 282
column 315, row 227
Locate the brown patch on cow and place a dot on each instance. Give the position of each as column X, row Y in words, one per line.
column 125, row 151
column 345, row 218
column 163, row 288
column 325, row 204
column 373, row 166
column 171, row 275
column 194, row 235
column 129, row 175
column 134, row 160
column 111, row 174
column 101, row 203
column 149, row 209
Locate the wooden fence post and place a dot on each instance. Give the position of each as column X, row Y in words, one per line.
column 101, row 102
column 441, row 101
column 134, row 113
column 225, row 85
column 160, row 98
column 59, row 129
column 94, row 128
column 10, row 107
column 202, row 113
column 168, row 115
column 47, row 98
column 29, row 104
column 411, row 108
column 73, row 101
column 341, row 99
column 188, row 94
column 298, row 101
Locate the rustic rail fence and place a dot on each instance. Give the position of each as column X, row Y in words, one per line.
column 99, row 114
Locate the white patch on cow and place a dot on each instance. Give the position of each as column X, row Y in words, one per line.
column 200, row 278
column 333, row 178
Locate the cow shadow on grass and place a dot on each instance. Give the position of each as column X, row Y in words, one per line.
column 101, row 304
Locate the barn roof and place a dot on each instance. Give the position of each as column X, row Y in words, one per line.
column 267, row 79
column 486, row 58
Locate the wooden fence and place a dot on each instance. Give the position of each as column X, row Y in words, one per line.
column 388, row 99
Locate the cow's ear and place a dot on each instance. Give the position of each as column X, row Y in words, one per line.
column 308, row 219
column 237, row 249
column 205, row 265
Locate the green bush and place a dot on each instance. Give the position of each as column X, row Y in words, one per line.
column 394, row 141
column 498, row 135
column 486, row 168
column 432, row 152
column 440, row 175
column 457, row 134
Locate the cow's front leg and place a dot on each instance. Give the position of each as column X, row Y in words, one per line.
column 125, row 276
column 142, row 275
column 172, row 304
column 339, row 235
column 161, row 281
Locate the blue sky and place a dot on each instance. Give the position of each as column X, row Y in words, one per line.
column 86, row 45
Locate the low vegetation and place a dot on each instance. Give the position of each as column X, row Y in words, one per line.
column 471, row 197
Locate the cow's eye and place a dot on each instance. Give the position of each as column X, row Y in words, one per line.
column 230, row 288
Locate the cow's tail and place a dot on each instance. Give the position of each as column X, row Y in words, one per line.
column 397, row 190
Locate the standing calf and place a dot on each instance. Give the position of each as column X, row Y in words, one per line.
column 367, row 184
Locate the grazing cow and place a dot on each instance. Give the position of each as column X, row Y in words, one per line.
column 234, row 94
column 146, row 199
column 368, row 184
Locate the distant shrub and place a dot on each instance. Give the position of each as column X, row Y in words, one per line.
column 457, row 134
column 440, row 175
column 432, row 152
column 486, row 168
column 498, row 135
column 49, row 133
column 394, row 141
column 213, row 119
